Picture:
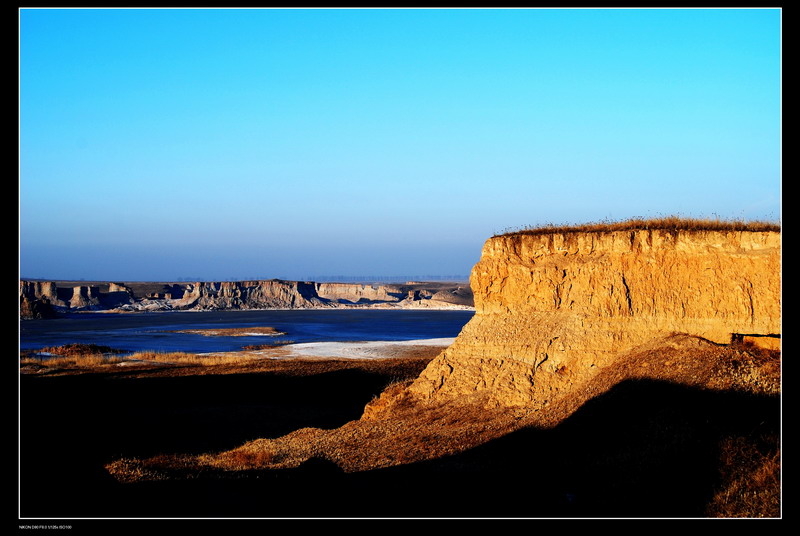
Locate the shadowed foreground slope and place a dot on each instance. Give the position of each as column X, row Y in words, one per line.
column 73, row 423
column 700, row 438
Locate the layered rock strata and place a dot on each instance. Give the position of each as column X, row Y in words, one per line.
column 265, row 294
column 358, row 293
column 46, row 291
column 84, row 297
column 256, row 294
column 36, row 299
column 554, row 309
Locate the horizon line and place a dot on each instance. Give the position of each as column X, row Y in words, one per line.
column 316, row 279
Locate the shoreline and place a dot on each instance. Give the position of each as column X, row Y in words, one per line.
column 336, row 350
column 359, row 353
column 362, row 349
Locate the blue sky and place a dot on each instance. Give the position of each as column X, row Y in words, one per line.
column 158, row 144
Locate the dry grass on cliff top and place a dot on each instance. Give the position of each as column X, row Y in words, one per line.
column 668, row 223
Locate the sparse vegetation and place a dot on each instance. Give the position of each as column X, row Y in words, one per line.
column 668, row 223
column 269, row 346
column 204, row 360
column 71, row 356
column 80, row 349
column 234, row 332
column 750, row 471
column 83, row 357
column 259, row 358
column 75, row 361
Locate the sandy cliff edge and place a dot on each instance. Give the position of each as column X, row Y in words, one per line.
column 554, row 309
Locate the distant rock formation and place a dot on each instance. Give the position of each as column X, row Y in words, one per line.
column 41, row 290
column 37, row 299
column 266, row 294
column 457, row 296
column 242, row 295
column 85, row 297
column 358, row 293
column 118, row 295
column 113, row 288
column 34, row 302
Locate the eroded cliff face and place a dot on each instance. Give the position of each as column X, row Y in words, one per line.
column 262, row 294
column 36, row 299
column 40, row 290
column 554, row 309
column 46, row 298
column 84, row 297
column 355, row 293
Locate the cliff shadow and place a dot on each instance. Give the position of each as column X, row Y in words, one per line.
column 645, row 448
column 70, row 426
column 115, row 299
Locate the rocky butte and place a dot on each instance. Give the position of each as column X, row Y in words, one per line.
column 554, row 308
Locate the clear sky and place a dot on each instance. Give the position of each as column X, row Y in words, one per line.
column 160, row 144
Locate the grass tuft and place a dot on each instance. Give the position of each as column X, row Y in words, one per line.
column 751, row 476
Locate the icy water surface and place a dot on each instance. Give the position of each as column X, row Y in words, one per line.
column 152, row 331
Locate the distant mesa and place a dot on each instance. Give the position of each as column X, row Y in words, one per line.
column 84, row 297
column 45, row 299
